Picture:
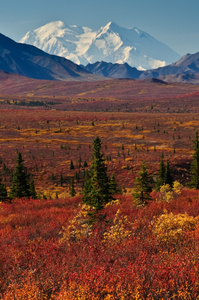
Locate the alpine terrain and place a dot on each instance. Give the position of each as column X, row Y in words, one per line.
column 184, row 70
column 29, row 61
column 111, row 43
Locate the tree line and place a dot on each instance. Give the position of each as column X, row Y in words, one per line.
column 99, row 188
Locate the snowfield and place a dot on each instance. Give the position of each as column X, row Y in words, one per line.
column 111, row 43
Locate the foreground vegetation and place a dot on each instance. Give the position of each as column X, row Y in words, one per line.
column 85, row 236
column 49, row 251
column 99, row 246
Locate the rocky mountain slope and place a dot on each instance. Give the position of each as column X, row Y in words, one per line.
column 113, row 70
column 184, row 70
column 29, row 61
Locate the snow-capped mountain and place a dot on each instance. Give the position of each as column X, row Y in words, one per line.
column 69, row 41
column 111, row 43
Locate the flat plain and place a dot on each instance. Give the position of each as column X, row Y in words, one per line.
column 52, row 123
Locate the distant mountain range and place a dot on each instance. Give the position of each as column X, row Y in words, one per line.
column 29, row 61
column 184, row 70
column 111, row 43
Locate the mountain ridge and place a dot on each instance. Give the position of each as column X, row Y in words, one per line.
column 29, row 61
column 113, row 70
column 186, row 69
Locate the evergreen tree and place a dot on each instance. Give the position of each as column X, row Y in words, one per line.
column 168, row 179
column 3, row 192
column 32, row 190
column 113, row 186
column 71, row 165
column 85, row 164
column 77, row 176
column 72, row 188
column 53, row 176
column 142, row 187
column 96, row 192
column 20, row 180
column 161, row 175
column 195, row 165
column 164, row 175
column 86, row 183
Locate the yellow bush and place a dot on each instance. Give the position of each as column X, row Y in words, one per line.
column 78, row 227
column 177, row 187
column 118, row 231
column 167, row 193
column 171, row 229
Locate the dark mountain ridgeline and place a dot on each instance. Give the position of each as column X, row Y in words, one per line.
column 185, row 70
column 29, row 61
column 113, row 70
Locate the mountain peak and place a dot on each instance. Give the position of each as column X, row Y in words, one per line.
column 59, row 24
column 112, row 25
column 111, row 43
column 117, row 28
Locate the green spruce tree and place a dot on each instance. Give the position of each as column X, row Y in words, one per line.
column 168, row 179
column 33, row 193
column 96, row 191
column 20, row 180
column 3, row 192
column 195, row 165
column 80, row 162
column 72, row 188
column 113, row 186
column 85, row 164
column 71, row 165
column 86, row 188
column 161, row 175
column 143, row 188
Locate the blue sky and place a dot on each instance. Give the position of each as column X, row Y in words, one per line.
column 174, row 22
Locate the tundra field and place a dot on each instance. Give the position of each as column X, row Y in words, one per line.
column 52, row 123
column 48, row 249
column 49, row 140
